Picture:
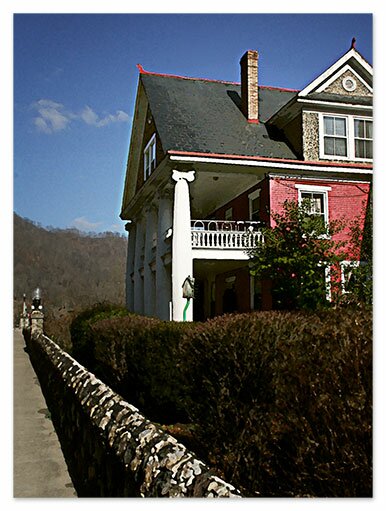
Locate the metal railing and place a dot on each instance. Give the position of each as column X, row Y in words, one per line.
column 226, row 234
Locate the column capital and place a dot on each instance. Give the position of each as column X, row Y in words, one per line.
column 189, row 176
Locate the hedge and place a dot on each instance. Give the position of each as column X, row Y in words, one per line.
column 80, row 330
column 282, row 402
column 136, row 356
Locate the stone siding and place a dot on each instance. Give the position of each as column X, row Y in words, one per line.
column 310, row 136
column 336, row 86
column 110, row 448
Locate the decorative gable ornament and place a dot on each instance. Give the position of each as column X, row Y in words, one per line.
column 352, row 61
column 349, row 83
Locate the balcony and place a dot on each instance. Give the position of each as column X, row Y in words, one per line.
column 224, row 235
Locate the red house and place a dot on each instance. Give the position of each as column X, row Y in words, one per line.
column 209, row 162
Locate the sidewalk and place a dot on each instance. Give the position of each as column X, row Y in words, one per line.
column 39, row 468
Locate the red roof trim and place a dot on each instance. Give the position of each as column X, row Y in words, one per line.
column 144, row 72
column 263, row 158
column 180, row 77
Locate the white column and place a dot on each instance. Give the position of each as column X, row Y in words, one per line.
column 163, row 273
column 182, row 262
column 138, row 266
column 131, row 228
column 149, row 259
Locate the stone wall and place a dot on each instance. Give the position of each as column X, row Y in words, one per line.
column 112, row 450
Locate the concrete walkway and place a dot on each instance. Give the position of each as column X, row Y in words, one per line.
column 39, row 468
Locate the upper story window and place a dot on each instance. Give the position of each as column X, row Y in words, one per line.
column 149, row 161
column 346, row 137
column 363, row 138
column 335, row 136
column 229, row 214
column 254, row 205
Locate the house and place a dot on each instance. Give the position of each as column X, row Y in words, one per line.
column 210, row 160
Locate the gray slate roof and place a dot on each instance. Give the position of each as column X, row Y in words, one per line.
column 203, row 116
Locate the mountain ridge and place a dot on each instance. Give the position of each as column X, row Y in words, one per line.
column 73, row 269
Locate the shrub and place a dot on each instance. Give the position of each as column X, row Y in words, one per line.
column 82, row 342
column 283, row 400
column 295, row 256
column 137, row 356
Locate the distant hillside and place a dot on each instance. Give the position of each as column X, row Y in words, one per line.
column 73, row 270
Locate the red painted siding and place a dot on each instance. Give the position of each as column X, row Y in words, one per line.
column 240, row 205
column 346, row 201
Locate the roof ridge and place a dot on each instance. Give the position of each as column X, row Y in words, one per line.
column 167, row 75
column 180, row 77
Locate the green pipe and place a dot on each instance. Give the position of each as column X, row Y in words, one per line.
column 186, row 308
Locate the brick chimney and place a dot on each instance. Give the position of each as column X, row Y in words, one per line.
column 249, row 87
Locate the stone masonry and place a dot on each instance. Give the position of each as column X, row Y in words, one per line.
column 110, row 448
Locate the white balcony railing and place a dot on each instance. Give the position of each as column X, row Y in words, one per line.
column 224, row 234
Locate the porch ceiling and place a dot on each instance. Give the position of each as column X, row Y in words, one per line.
column 211, row 189
column 201, row 268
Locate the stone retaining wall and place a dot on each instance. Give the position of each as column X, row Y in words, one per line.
column 112, row 450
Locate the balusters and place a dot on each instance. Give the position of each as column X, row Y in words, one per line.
column 225, row 235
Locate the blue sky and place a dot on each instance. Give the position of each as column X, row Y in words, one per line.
column 75, row 80
column 86, row 65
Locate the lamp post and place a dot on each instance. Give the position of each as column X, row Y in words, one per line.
column 37, row 315
column 188, row 293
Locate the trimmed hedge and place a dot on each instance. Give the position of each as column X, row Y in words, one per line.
column 80, row 330
column 137, row 357
column 282, row 401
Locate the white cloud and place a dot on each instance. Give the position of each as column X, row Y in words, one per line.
column 52, row 116
column 83, row 224
column 90, row 117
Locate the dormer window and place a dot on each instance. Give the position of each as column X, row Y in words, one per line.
column 335, row 136
column 345, row 137
column 149, row 161
column 363, row 138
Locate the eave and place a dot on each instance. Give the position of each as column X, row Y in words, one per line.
column 334, row 104
column 261, row 161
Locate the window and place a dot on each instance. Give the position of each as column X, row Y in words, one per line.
column 149, row 158
column 254, row 206
column 349, row 83
column 346, row 137
column 317, row 201
column 229, row 214
column 318, row 197
column 347, row 268
column 335, row 136
column 363, row 138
